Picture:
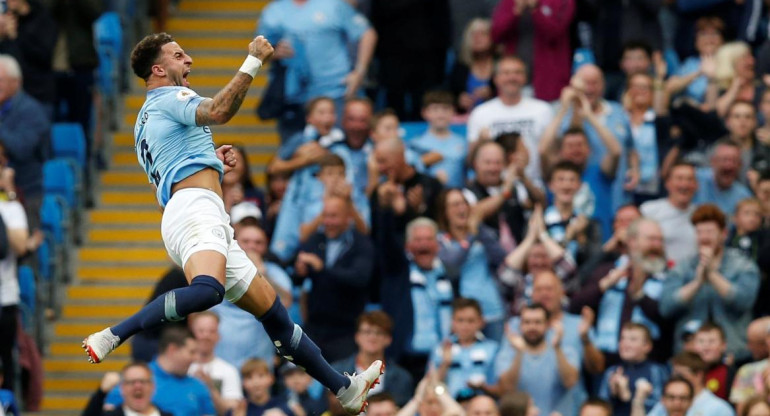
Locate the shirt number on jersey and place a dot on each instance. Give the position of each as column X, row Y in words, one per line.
column 147, row 160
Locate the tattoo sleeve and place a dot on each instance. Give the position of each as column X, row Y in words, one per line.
column 224, row 105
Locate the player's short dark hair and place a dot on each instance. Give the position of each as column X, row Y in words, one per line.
column 311, row 105
column 387, row 112
column 462, row 303
column 597, row 402
column 630, row 326
column 379, row 319
column 380, row 398
column 438, row 97
column 565, row 165
column 638, row 44
column 709, row 212
column 690, row 360
column 711, row 326
column 173, row 335
column 678, row 379
column 536, row 306
column 509, row 141
column 330, row 160
column 146, row 53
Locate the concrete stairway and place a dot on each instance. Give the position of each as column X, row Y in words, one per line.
column 123, row 255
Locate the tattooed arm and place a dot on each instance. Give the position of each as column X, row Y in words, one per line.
column 224, row 105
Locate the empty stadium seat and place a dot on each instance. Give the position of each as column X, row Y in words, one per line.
column 69, row 141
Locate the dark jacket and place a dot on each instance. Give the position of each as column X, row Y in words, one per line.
column 96, row 402
column 397, row 381
column 25, row 132
column 33, row 48
column 76, row 19
column 338, row 295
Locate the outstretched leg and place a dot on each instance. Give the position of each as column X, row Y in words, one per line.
column 293, row 344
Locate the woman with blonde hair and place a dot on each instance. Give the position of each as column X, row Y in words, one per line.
column 471, row 77
column 734, row 76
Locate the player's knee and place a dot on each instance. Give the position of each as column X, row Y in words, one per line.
column 203, row 293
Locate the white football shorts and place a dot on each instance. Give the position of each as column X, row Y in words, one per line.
column 195, row 220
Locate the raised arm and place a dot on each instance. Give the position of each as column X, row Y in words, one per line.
column 224, row 105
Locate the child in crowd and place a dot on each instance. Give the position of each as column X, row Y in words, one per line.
column 302, row 390
column 443, row 152
column 385, row 125
column 258, row 382
column 711, row 345
column 465, row 361
column 620, row 381
column 746, row 234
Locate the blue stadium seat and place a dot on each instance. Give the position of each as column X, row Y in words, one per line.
column 69, row 141
column 108, row 36
column 45, row 257
column 59, row 178
column 28, row 295
column 413, row 129
column 54, row 218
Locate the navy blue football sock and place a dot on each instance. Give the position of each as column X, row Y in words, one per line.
column 203, row 293
column 295, row 346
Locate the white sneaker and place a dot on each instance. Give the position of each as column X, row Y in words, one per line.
column 353, row 398
column 100, row 344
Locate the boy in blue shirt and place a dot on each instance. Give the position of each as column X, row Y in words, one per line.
column 443, row 152
column 465, row 362
column 258, row 381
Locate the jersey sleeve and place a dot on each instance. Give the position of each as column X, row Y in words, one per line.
column 354, row 24
column 181, row 106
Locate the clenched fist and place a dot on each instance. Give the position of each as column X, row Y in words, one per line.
column 261, row 49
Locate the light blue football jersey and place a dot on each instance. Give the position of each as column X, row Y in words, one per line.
column 168, row 143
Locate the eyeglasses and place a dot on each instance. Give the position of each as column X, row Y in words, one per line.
column 142, row 381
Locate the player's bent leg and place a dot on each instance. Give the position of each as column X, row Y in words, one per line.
column 293, row 344
column 205, row 271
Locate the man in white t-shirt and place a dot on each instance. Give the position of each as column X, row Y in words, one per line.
column 222, row 379
column 512, row 112
column 673, row 212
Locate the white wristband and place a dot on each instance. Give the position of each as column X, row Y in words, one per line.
column 251, row 65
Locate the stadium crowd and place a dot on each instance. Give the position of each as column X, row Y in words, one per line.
column 555, row 207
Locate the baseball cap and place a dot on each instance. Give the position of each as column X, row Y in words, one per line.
column 244, row 210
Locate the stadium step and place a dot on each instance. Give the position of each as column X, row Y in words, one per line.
column 123, row 255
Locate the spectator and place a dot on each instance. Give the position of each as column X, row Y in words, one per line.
column 137, row 388
column 518, row 404
column 407, row 193
column 691, row 79
column 385, row 124
column 756, row 406
column 741, row 123
column 7, row 399
column 734, row 76
column 218, row 375
column 430, row 399
column 678, row 395
column 241, row 174
column 470, row 79
column 595, row 407
column 74, row 61
column 755, row 338
column 563, row 223
column 482, row 405
column 412, row 51
column 285, row 25
column 471, row 254
column 511, row 111
column 538, row 32
column 622, row 380
column 24, row 133
column 575, row 146
column 673, row 212
column 537, row 253
column 711, row 345
column 465, row 361
column 636, row 58
column 763, row 194
column 382, row 404
column 29, row 35
column 374, row 333
column 337, row 261
column 719, row 284
column 258, row 381
column 629, row 292
column 720, row 185
column 276, row 189
column 15, row 244
column 245, row 338
column 443, row 152
column 422, row 317
column 692, row 368
column 539, row 367
column 751, row 379
column 501, row 195
column 175, row 391
column 745, row 232
column 355, row 149
column 298, row 385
